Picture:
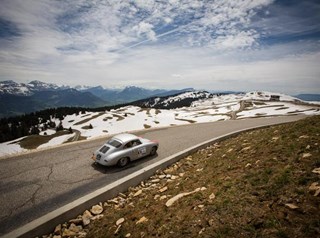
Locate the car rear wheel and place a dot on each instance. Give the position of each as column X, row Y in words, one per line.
column 123, row 162
column 153, row 150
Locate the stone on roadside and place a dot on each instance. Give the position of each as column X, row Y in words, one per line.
column 137, row 193
column 68, row 233
column 77, row 221
column 157, row 196
column 246, row 148
column 57, row 230
column 75, row 228
column 212, row 196
column 163, row 189
column 96, row 210
column 117, row 230
column 247, row 165
column 97, row 217
column 162, row 176
column 128, row 235
column 86, row 218
column 230, row 150
column 291, row 206
column 306, row 155
column 120, row 221
column 142, row 220
column 316, row 171
column 304, row 137
column 189, row 158
column 314, row 187
column 163, row 197
column 171, row 201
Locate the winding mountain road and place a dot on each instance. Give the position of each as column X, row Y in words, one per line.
column 36, row 183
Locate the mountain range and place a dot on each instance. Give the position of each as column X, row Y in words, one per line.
column 21, row 98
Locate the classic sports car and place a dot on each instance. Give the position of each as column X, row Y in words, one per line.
column 123, row 148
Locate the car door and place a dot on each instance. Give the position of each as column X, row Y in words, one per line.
column 140, row 149
column 129, row 150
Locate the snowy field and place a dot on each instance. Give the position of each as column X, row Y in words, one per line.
column 95, row 124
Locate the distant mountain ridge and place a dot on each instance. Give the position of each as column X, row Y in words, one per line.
column 22, row 89
column 20, row 98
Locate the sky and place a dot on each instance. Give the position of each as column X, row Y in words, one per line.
column 238, row 45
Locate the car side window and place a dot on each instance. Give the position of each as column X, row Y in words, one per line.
column 136, row 142
column 128, row 145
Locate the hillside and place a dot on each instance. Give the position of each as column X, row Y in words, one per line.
column 202, row 107
column 262, row 183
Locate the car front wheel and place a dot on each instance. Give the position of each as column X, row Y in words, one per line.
column 123, row 162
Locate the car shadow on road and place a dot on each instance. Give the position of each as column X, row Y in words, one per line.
column 116, row 169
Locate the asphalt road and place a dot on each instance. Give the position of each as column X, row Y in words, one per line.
column 34, row 184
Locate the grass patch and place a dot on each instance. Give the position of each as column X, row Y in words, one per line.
column 88, row 119
column 119, row 118
column 34, row 141
column 87, row 127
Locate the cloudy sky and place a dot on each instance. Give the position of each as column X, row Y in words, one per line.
column 206, row 44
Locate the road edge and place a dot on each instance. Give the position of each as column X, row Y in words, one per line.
column 46, row 224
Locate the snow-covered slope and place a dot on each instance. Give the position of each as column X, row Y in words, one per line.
column 184, row 99
column 22, row 89
column 204, row 107
column 13, row 88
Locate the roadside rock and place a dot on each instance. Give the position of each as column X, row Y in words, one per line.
column 142, row 220
column 314, row 187
column 77, row 221
column 96, row 210
column 86, row 218
column 171, row 201
column 97, row 217
column 117, row 230
column 304, row 137
column 316, row 171
column 212, row 196
column 291, row 206
column 120, row 221
column 163, row 189
column 306, row 155
column 137, row 193
column 57, row 230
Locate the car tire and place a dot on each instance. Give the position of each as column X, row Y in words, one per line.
column 153, row 150
column 123, row 162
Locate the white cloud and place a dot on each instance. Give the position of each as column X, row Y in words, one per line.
column 211, row 44
column 145, row 28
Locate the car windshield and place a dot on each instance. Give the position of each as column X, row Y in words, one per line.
column 114, row 143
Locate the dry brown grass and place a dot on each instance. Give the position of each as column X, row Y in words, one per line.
column 253, row 177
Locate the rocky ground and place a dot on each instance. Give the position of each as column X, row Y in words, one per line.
column 263, row 183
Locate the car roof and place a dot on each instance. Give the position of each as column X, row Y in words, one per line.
column 125, row 137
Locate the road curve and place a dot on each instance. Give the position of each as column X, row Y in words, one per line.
column 37, row 183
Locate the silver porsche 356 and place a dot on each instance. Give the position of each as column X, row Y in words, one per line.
column 123, row 148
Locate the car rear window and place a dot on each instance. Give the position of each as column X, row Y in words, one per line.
column 114, row 143
column 104, row 149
